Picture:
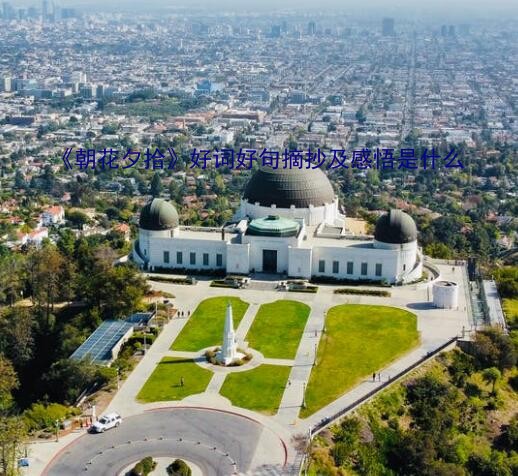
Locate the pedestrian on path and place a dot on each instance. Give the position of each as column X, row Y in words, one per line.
column 374, row 376
column 379, row 377
column 181, row 381
column 289, row 383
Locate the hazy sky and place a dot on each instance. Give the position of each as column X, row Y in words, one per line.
column 468, row 8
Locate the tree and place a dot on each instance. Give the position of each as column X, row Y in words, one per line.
column 492, row 348
column 509, row 436
column 156, row 185
column 19, row 180
column 11, row 277
column 77, row 218
column 16, row 335
column 51, row 277
column 114, row 290
column 8, row 383
column 491, row 375
column 67, row 378
column 13, row 436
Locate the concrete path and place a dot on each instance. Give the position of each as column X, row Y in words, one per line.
column 299, row 375
column 285, row 362
column 216, row 383
column 246, row 323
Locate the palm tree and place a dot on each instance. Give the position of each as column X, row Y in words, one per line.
column 491, row 375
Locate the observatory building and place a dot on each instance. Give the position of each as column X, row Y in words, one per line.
column 288, row 222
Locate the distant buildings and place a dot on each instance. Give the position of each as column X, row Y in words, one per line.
column 387, row 27
column 53, row 216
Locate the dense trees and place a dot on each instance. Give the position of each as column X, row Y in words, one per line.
column 438, row 423
column 70, row 288
column 13, row 432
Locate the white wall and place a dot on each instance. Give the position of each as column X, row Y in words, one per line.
column 238, row 258
column 300, row 262
column 312, row 215
column 186, row 246
column 399, row 262
column 357, row 255
column 260, row 243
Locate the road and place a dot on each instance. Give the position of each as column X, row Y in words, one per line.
column 220, row 443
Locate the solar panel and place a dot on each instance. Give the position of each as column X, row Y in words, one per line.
column 140, row 317
column 100, row 343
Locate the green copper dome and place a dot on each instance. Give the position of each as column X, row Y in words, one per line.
column 273, row 225
column 158, row 215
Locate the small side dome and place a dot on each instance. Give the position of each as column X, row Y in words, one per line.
column 158, row 215
column 395, row 227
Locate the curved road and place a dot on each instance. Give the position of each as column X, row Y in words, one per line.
column 220, row 443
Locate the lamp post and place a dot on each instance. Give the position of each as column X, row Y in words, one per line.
column 303, row 394
column 118, row 378
column 56, row 423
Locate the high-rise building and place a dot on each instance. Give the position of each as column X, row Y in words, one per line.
column 45, row 9
column 312, row 28
column 387, row 27
column 8, row 12
column 276, row 31
column 6, row 84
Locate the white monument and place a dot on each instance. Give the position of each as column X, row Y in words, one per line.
column 228, row 352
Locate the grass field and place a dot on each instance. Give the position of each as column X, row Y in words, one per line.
column 205, row 326
column 277, row 328
column 164, row 384
column 359, row 340
column 259, row 389
column 511, row 312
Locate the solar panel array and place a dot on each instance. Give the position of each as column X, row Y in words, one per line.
column 140, row 317
column 98, row 347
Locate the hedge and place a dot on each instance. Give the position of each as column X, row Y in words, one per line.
column 366, row 292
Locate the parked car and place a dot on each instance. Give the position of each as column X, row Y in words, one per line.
column 110, row 420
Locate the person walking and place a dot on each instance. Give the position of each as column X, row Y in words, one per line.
column 374, row 376
column 181, row 382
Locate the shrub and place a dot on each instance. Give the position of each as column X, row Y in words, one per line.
column 40, row 416
column 492, row 348
column 143, row 467
column 307, row 289
column 366, row 292
column 139, row 337
column 352, row 282
column 179, row 468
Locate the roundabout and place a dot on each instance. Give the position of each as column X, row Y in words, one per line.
column 193, row 434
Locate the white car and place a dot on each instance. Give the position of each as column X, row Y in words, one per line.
column 110, row 420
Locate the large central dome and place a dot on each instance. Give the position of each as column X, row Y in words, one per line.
column 286, row 187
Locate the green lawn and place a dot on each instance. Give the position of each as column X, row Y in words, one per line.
column 277, row 328
column 511, row 312
column 359, row 340
column 164, row 384
column 205, row 326
column 259, row 389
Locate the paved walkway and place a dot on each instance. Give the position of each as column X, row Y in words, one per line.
column 216, row 382
column 245, row 324
column 299, row 375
